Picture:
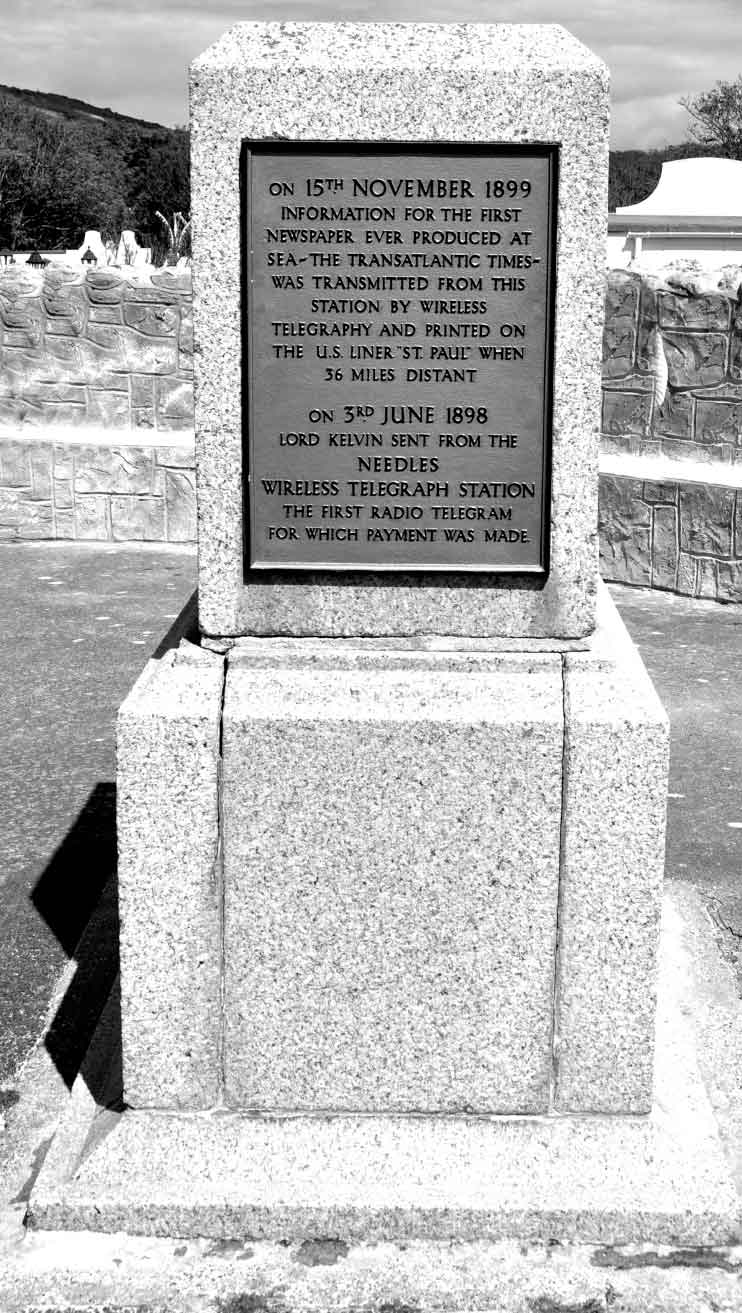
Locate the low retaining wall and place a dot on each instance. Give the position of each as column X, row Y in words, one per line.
column 669, row 532
column 671, row 444
column 96, row 396
column 100, row 491
column 109, row 348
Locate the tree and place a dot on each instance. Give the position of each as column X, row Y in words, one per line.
column 717, row 118
column 158, row 176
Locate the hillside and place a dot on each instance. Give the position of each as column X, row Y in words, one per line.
column 66, row 165
column 66, row 107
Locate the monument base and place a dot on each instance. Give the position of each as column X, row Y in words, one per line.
column 383, row 877
column 609, row 1180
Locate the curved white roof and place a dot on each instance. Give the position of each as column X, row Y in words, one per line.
column 705, row 186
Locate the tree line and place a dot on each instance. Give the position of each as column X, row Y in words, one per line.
column 65, row 167
column 60, row 175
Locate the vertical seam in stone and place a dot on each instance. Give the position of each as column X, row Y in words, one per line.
column 560, row 893
column 219, row 879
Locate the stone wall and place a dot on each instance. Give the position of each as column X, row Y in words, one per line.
column 693, row 340
column 97, row 491
column 109, row 348
column 89, row 363
column 682, row 536
column 671, row 480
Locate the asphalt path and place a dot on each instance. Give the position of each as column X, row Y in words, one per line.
column 79, row 623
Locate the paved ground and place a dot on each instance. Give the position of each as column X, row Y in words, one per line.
column 79, row 623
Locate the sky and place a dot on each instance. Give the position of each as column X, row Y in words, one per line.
column 133, row 55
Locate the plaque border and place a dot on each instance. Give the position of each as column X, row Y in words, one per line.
column 533, row 576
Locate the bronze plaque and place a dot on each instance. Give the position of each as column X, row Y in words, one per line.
column 399, row 331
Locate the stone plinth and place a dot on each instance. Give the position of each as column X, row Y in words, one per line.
column 660, row 1179
column 436, row 885
column 391, row 867
column 416, row 84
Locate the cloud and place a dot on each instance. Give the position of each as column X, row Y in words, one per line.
column 134, row 57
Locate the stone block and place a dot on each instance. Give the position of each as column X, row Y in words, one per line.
column 63, row 461
column 114, row 469
column 719, row 421
column 151, row 355
column 615, row 785
column 64, row 523
column 40, row 465
column 155, row 320
column 706, row 582
column 180, row 457
column 104, row 287
column 625, row 531
column 619, row 344
column 626, row 412
column 15, row 471
column 10, row 510
column 180, row 495
column 674, row 418
column 20, row 281
column 92, row 517
column 662, row 494
column 106, row 314
column 706, row 519
column 142, row 391
column 64, row 354
column 174, row 403
column 694, row 359
column 31, row 519
column 177, row 283
column 149, row 293
column 24, row 315
column 390, row 901
column 60, row 276
column 185, row 340
column 100, row 363
column 665, row 549
column 63, row 413
column 169, row 883
column 729, row 581
column 29, row 338
column 108, row 408
column 522, row 83
column 695, row 311
column 621, row 295
column 735, row 354
column 108, row 337
column 63, row 498
column 143, row 417
column 67, row 306
column 61, row 391
column 137, row 519
column 687, row 571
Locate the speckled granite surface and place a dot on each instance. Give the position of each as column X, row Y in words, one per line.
column 411, row 83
